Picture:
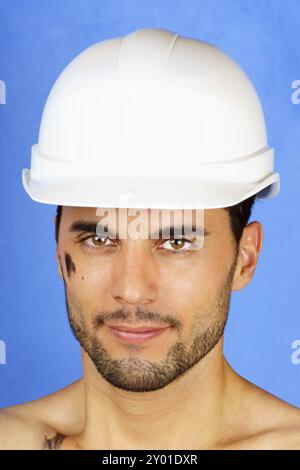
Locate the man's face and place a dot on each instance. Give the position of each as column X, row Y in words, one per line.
column 146, row 282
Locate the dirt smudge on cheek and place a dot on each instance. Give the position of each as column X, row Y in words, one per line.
column 71, row 268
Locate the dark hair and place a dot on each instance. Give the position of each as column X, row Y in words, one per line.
column 57, row 222
column 239, row 216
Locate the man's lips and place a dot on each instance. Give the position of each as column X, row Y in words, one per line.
column 137, row 329
column 136, row 334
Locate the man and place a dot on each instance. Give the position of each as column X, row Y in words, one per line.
column 194, row 399
column 150, row 312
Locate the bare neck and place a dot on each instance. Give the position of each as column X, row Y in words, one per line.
column 192, row 412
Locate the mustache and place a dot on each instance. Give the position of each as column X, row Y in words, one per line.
column 133, row 317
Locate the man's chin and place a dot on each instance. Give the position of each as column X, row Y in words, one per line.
column 136, row 373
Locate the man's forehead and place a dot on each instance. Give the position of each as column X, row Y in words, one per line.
column 162, row 217
column 74, row 211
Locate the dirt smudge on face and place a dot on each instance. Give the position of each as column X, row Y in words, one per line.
column 71, row 268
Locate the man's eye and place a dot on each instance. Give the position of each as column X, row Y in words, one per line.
column 177, row 244
column 95, row 243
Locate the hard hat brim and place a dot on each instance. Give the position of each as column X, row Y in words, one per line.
column 156, row 194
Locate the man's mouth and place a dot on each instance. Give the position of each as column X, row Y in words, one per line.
column 136, row 334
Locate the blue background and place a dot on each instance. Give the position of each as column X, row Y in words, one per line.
column 37, row 40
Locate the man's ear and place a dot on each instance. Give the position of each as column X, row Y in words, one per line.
column 55, row 224
column 57, row 254
column 250, row 247
column 58, row 260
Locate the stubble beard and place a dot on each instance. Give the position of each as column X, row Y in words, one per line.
column 138, row 374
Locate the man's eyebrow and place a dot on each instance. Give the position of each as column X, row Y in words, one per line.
column 183, row 229
column 88, row 226
column 91, row 226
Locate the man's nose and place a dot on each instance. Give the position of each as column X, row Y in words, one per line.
column 135, row 276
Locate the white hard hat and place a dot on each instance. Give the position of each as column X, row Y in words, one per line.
column 151, row 119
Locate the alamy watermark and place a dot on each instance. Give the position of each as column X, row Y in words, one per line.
column 163, row 224
column 2, row 352
column 295, row 97
column 2, row 92
column 295, row 357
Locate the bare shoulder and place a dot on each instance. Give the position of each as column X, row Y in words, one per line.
column 18, row 432
column 25, row 426
column 284, row 430
column 266, row 422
